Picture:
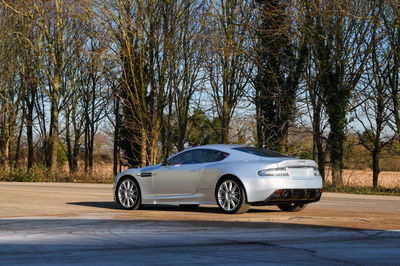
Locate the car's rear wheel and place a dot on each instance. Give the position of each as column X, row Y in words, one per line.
column 231, row 196
column 189, row 206
column 128, row 193
column 292, row 207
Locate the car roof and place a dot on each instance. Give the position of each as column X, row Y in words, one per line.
column 220, row 147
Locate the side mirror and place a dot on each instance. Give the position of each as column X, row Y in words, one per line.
column 164, row 162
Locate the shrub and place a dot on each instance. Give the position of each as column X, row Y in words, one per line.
column 19, row 175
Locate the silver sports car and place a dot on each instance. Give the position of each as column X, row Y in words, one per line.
column 233, row 176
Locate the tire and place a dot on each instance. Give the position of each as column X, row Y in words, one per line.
column 128, row 193
column 231, row 196
column 292, row 207
column 189, row 206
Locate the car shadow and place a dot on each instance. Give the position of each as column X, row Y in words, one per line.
column 97, row 204
column 163, row 207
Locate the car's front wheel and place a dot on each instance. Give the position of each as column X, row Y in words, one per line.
column 292, row 207
column 231, row 196
column 128, row 193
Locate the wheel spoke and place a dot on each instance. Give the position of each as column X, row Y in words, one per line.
column 226, row 189
column 230, row 186
column 233, row 203
column 130, row 201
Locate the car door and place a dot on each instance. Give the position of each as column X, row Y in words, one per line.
column 181, row 175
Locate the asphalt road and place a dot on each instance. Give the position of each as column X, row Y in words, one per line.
column 53, row 223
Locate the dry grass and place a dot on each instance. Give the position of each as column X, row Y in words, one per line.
column 103, row 173
column 363, row 178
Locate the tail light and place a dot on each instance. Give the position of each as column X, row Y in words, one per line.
column 316, row 171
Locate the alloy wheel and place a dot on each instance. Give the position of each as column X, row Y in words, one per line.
column 229, row 195
column 128, row 193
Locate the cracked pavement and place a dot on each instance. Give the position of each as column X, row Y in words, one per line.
column 57, row 223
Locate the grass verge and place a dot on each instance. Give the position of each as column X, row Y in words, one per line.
column 363, row 190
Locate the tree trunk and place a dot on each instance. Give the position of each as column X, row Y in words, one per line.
column 68, row 141
column 336, row 142
column 75, row 155
column 318, row 148
column 18, row 148
column 56, row 50
column 86, row 141
column 321, row 158
column 181, row 137
column 54, row 125
column 116, row 137
column 224, row 131
column 375, row 168
column 29, row 128
column 6, row 154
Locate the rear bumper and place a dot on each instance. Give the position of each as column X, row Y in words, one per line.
column 280, row 196
column 260, row 189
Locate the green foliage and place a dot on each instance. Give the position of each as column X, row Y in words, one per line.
column 368, row 137
column 355, row 155
column 61, row 155
column 202, row 130
column 19, row 175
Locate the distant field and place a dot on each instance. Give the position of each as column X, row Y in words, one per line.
column 363, row 178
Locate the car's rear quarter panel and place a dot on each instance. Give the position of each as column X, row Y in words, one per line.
column 258, row 188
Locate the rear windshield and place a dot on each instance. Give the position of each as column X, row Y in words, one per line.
column 260, row 152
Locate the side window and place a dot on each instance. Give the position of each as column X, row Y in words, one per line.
column 215, row 156
column 183, row 158
column 198, row 156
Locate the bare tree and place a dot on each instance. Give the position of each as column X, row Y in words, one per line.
column 389, row 18
column 341, row 44
column 10, row 84
column 228, row 62
column 315, row 109
column 187, row 60
column 373, row 114
column 143, row 35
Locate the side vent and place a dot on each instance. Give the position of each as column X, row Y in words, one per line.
column 148, row 174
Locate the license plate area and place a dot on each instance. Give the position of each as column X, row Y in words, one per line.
column 301, row 172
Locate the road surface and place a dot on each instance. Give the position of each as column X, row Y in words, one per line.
column 63, row 223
